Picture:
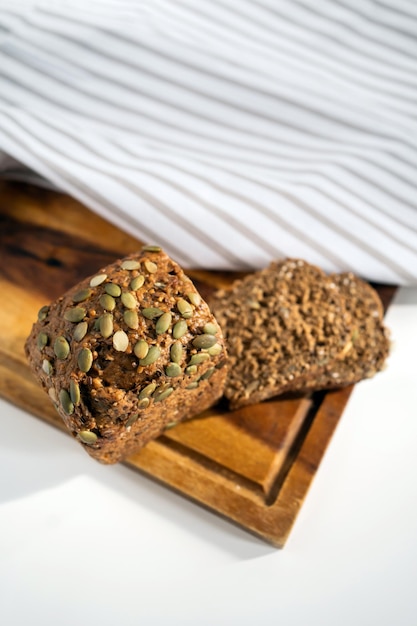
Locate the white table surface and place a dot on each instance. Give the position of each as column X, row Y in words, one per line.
column 82, row 543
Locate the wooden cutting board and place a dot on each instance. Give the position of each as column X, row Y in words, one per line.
column 252, row 466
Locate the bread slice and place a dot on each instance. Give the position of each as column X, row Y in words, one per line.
column 127, row 352
column 368, row 348
column 282, row 326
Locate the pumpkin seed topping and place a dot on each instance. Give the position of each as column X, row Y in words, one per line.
column 80, row 331
column 75, row 392
column 162, row 393
column 43, row 312
column 208, row 373
column 120, row 341
column 97, row 280
column 193, row 385
column 106, row 325
column 159, row 285
column 205, row 341
column 191, row 369
column 163, row 323
column 196, row 359
column 129, row 300
column 150, row 267
column 215, row 350
column 130, row 264
column 132, row 419
column 147, row 391
column 52, row 394
column 107, row 302
column 137, row 282
column 61, row 348
column 184, row 308
column 85, row 359
column 153, row 355
column 141, row 349
column 179, row 329
column 75, row 314
column 151, row 248
column 210, row 329
column 87, row 436
column 65, row 401
column 143, row 403
column 176, row 352
column 152, row 312
column 112, row 289
column 173, row 370
column 42, row 340
column 221, row 364
column 47, row 367
column 194, row 298
column 81, row 295
column 131, row 319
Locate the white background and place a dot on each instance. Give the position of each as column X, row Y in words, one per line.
column 82, row 543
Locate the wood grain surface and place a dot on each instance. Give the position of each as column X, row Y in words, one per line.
column 252, row 466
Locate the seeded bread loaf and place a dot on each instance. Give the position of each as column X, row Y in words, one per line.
column 282, row 326
column 368, row 347
column 127, row 352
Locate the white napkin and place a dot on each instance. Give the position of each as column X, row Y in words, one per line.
column 230, row 132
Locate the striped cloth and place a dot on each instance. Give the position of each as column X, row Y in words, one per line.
column 230, row 132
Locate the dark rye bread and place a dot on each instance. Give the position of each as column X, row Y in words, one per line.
column 366, row 352
column 127, row 352
column 282, row 326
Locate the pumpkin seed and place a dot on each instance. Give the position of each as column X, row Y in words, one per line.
column 87, row 436
column 75, row 314
column 208, row 373
column 173, row 370
column 196, row 359
column 107, row 302
column 85, row 359
column 47, row 367
column 65, row 401
column 132, row 419
column 43, row 312
column 61, row 348
column 162, row 394
column 153, row 355
column 112, row 289
column 152, row 312
column 151, row 267
column 97, row 280
column 221, row 364
column 184, row 308
column 179, row 329
column 141, row 349
column 131, row 319
column 202, row 342
column 42, row 340
column 151, row 249
column 215, row 350
column 130, row 264
column 147, row 391
column 176, row 352
column 137, row 282
column 80, row 331
column 193, row 385
column 194, row 297
column 81, row 295
column 75, row 392
column 129, row 300
column 52, row 394
column 160, row 285
column 106, row 325
column 120, row 341
column 163, row 323
column 191, row 369
column 170, row 425
column 96, row 325
column 143, row 403
column 210, row 328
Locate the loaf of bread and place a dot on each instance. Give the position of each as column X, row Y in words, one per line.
column 291, row 328
column 127, row 352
